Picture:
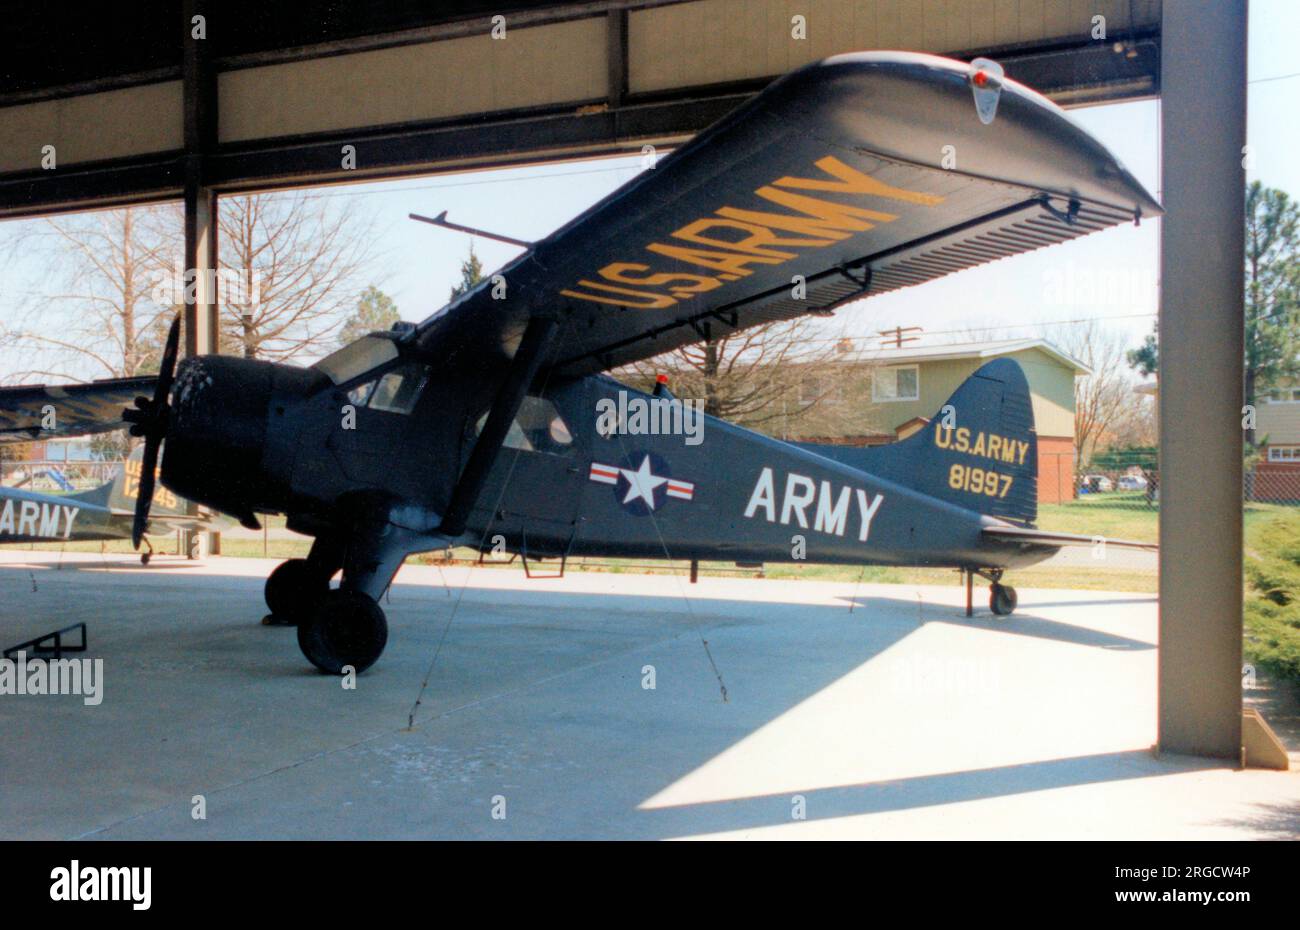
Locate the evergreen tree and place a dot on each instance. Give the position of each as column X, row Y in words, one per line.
column 471, row 273
column 375, row 311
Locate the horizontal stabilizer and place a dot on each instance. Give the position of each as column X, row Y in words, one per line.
column 1050, row 538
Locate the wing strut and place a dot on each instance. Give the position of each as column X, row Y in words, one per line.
column 510, row 396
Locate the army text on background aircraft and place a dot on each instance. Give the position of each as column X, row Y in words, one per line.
column 99, row 514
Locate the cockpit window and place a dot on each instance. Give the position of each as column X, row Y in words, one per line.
column 398, row 390
column 360, row 394
column 538, row 427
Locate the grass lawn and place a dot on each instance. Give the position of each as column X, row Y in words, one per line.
column 1126, row 515
column 1118, row 515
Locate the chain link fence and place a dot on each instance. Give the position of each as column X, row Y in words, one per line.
column 58, row 476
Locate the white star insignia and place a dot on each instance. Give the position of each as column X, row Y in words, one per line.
column 642, row 483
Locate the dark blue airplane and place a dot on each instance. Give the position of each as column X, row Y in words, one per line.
column 486, row 425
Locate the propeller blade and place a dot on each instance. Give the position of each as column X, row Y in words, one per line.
column 167, row 367
column 151, row 423
column 144, row 494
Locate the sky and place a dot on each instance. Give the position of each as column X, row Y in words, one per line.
column 1110, row 276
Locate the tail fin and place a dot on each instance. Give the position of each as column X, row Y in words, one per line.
column 119, row 493
column 979, row 451
column 113, row 493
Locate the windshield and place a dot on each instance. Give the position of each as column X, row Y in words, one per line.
column 357, row 358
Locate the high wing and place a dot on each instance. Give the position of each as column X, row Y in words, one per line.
column 855, row 175
column 78, row 409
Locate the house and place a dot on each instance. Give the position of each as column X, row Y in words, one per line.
column 882, row 396
column 1277, row 427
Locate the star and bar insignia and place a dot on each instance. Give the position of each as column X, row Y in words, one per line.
column 642, row 488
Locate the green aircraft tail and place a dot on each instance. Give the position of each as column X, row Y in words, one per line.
column 119, row 494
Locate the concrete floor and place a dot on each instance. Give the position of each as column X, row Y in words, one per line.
column 898, row 719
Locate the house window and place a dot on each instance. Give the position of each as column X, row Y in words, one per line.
column 1285, row 396
column 811, row 389
column 1284, row 453
column 899, row 383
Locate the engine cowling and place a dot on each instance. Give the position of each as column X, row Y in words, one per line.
column 216, row 438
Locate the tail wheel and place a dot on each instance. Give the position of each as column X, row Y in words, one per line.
column 344, row 628
column 1002, row 599
column 293, row 588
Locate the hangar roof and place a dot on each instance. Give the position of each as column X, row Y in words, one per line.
column 989, row 349
column 133, row 106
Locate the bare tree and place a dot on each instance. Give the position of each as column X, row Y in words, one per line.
column 774, row 372
column 102, row 311
column 1135, row 425
column 1104, row 397
column 293, row 268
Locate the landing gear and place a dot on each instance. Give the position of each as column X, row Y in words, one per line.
column 344, row 628
column 292, row 589
column 1002, row 599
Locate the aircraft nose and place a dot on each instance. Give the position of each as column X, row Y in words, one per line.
column 217, row 431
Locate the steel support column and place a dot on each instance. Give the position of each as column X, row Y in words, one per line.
column 200, row 114
column 200, row 261
column 1203, row 82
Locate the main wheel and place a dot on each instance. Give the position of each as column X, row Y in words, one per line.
column 1002, row 599
column 293, row 588
column 343, row 628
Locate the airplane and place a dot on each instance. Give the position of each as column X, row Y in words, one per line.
column 99, row 514
column 481, row 425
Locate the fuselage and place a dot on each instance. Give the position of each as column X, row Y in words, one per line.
column 249, row 437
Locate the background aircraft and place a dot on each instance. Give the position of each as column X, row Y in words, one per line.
column 850, row 177
column 103, row 513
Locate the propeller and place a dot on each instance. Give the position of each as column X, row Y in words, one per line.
column 148, row 418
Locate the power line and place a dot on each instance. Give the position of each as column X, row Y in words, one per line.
column 1276, row 77
column 1017, row 326
column 369, row 185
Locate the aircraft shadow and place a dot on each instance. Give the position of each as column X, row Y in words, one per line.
column 1149, row 599
column 907, row 793
column 1021, row 623
column 130, row 562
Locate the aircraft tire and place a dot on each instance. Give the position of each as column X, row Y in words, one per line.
column 1002, row 599
column 292, row 589
column 344, row 628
